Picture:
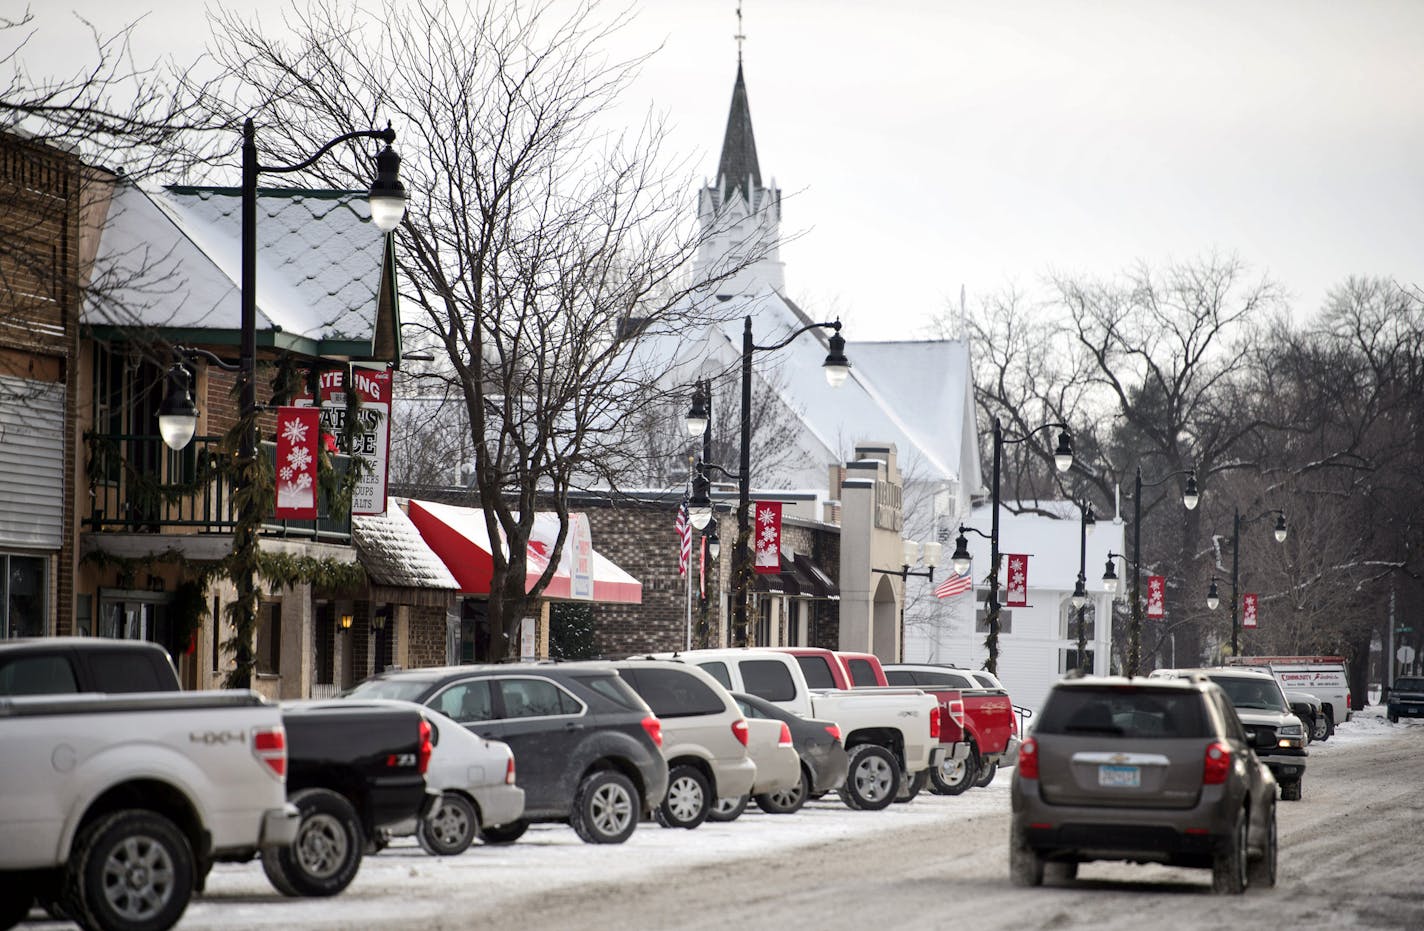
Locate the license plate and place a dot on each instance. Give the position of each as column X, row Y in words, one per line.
column 1121, row 776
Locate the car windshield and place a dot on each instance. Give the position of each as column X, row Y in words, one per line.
column 1252, row 694
column 404, row 689
column 1123, row 712
column 1410, row 684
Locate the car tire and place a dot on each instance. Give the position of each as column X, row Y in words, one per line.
column 1319, row 727
column 606, row 808
column 986, row 775
column 728, row 809
column 1290, row 791
column 1228, row 867
column 326, row 854
column 1025, row 864
column 1329, row 726
column 873, row 779
column 954, row 777
column 910, row 786
column 787, row 801
column 688, row 800
column 496, row 835
column 450, row 828
column 1060, row 871
column 1262, row 870
column 1393, row 719
column 16, row 897
column 153, row 861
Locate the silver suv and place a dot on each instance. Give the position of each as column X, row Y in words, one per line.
column 1143, row 770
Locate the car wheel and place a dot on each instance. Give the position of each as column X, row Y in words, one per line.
column 1329, row 727
column 1025, row 863
column 787, row 801
column 688, row 800
column 1318, row 728
column 1228, row 868
column 1262, row 871
column 327, row 852
column 1060, row 871
column 911, row 786
column 728, row 809
column 450, row 827
column 986, row 775
column 873, row 780
column 129, row 871
column 16, row 896
column 504, row 833
column 606, row 808
column 954, row 777
column 1290, row 791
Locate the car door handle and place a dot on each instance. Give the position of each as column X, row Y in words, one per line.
column 573, row 726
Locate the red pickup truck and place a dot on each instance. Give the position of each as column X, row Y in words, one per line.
column 989, row 720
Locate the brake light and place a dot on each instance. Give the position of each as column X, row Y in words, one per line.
column 739, row 730
column 509, row 771
column 423, row 755
column 934, row 723
column 1217, row 765
column 269, row 744
column 834, row 730
column 1028, row 759
column 956, row 712
column 785, row 740
column 1347, row 701
column 654, row 727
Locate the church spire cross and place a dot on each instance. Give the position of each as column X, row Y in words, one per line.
column 740, row 36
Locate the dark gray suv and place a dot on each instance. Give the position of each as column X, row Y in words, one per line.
column 1142, row 770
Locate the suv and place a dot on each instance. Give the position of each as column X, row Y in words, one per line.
column 586, row 747
column 1144, row 770
column 704, row 738
column 1277, row 735
column 1405, row 699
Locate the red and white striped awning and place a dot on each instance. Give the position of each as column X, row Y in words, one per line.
column 459, row 536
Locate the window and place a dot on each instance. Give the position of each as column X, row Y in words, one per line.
column 1068, row 660
column 217, row 621
column 614, row 689
column 817, row 671
column 861, row 672
column 466, row 702
column 1136, row 713
column 23, row 587
column 900, row 677
column 269, row 639
column 1006, row 621
column 767, row 678
column 535, row 698
column 673, row 693
column 763, row 628
column 37, row 675
column 947, row 680
column 124, row 671
column 719, row 672
column 1068, row 620
column 749, row 710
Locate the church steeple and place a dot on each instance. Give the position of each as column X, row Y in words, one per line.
column 738, row 169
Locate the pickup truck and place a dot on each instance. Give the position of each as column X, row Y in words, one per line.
column 989, row 723
column 113, row 807
column 892, row 735
column 353, row 769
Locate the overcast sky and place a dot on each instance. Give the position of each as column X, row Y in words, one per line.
column 927, row 145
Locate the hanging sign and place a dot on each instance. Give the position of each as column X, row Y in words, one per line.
column 578, row 557
column 767, row 536
column 1016, row 591
column 1248, row 610
column 1156, row 595
column 297, row 430
column 372, row 440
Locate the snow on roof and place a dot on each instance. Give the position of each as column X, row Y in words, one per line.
column 394, row 553
column 1051, row 544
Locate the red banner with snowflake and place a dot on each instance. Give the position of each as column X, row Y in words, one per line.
column 767, row 536
column 1156, row 596
column 1016, row 591
column 297, row 432
column 1248, row 610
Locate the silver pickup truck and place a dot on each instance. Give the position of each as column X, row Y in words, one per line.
column 113, row 807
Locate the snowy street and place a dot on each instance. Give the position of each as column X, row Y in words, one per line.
column 1348, row 859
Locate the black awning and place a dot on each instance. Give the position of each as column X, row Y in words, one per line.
column 799, row 577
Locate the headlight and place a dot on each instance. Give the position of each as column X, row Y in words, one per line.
column 1290, row 730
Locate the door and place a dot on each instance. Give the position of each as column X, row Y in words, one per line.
column 543, row 725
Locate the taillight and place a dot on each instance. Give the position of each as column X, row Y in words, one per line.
column 509, row 771
column 785, row 740
column 934, row 723
column 1217, row 765
column 956, row 711
column 1028, row 759
column 1347, row 701
column 834, row 730
column 269, row 744
column 423, row 756
column 739, row 730
column 654, row 727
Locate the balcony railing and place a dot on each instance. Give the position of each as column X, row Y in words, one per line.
column 139, row 485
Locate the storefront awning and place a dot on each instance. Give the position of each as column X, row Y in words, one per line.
column 459, row 537
column 799, row 577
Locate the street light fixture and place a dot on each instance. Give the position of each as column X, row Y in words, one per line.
column 837, row 369
column 1212, row 599
column 1190, row 498
column 178, row 415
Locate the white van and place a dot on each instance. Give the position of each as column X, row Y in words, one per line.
column 1322, row 676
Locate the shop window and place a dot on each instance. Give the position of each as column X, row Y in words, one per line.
column 23, row 585
column 1006, row 621
column 269, row 639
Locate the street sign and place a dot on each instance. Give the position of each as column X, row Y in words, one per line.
column 1404, row 630
column 1405, row 654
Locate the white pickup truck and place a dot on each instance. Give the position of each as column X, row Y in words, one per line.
column 891, row 734
column 112, row 807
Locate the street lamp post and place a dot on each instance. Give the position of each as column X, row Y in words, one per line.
column 1190, row 498
column 1086, row 523
column 178, row 415
column 700, row 508
column 1063, row 461
column 1212, row 599
column 837, row 369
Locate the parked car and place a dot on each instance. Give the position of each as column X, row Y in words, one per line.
column 705, row 738
column 1276, row 733
column 67, row 665
column 822, row 757
column 353, row 769
column 587, row 748
column 989, row 723
column 1325, row 677
column 778, row 766
column 1405, row 699
column 1142, row 770
column 475, row 778
column 113, row 808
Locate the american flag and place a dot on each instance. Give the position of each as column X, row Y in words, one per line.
column 956, row 584
column 684, row 539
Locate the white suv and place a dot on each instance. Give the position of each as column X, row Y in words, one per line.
column 704, row 738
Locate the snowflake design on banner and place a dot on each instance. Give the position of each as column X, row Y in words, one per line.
column 304, row 480
column 1016, row 579
column 768, row 536
column 299, row 458
column 294, row 432
column 286, row 473
column 765, row 517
